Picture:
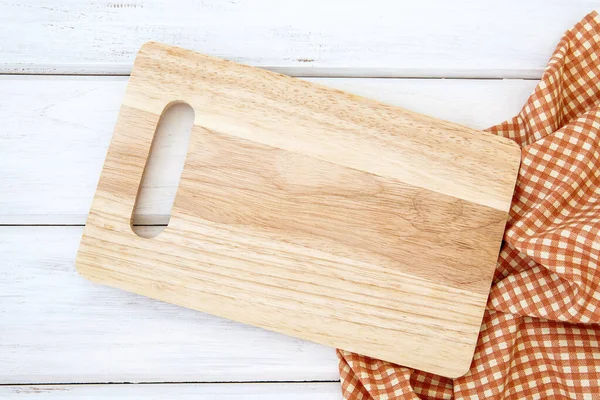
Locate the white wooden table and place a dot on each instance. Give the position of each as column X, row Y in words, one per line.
column 64, row 67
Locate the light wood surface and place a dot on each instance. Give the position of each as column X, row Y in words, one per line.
column 426, row 38
column 307, row 211
column 57, row 327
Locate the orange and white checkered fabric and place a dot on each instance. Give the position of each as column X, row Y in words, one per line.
column 540, row 334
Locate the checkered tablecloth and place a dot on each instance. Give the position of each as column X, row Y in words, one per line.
column 540, row 334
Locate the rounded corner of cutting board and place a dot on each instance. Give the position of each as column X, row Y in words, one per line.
column 461, row 365
column 456, row 373
column 150, row 46
column 146, row 51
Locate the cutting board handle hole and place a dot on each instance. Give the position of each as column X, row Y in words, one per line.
column 164, row 166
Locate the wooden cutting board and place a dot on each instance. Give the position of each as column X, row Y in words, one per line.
column 308, row 211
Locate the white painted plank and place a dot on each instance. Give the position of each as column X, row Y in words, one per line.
column 56, row 327
column 255, row 391
column 54, row 132
column 427, row 38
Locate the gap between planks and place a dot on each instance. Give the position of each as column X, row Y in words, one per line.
column 155, row 391
column 217, row 382
column 297, row 72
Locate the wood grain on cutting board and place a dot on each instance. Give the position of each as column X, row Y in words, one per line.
column 308, row 211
